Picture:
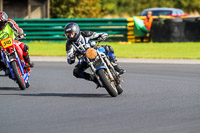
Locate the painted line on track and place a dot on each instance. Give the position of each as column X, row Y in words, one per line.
column 122, row 60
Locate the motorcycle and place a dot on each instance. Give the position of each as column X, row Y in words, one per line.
column 14, row 63
column 101, row 67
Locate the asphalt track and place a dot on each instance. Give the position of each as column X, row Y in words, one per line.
column 157, row 98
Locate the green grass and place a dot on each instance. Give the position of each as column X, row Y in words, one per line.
column 42, row 48
column 135, row 50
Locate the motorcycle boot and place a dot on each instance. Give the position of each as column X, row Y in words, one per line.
column 113, row 60
column 117, row 67
column 94, row 79
column 27, row 60
column 26, row 56
column 3, row 67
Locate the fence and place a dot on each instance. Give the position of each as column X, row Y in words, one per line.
column 118, row 29
column 53, row 29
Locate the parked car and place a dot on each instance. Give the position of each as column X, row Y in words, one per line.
column 164, row 11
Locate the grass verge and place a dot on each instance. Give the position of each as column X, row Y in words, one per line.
column 189, row 50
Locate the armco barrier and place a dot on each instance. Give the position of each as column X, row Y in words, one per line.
column 53, row 29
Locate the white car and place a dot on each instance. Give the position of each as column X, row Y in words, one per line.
column 164, row 11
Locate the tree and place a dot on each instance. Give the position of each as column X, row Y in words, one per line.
column 76, row 9
column 188, row 5
column 99, row 8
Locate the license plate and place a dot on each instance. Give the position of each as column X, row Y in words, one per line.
column 5, row 43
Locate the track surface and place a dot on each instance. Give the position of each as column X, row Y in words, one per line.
column 157, row 98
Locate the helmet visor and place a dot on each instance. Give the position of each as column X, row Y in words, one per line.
column 70, row 35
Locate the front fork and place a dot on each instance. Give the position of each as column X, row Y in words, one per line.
column 115, row 75
column 93, row 69
column 21, row 66
column 19, row 62
column 107, row 69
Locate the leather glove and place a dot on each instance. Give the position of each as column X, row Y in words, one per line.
column 103, row 37
column 21, row 36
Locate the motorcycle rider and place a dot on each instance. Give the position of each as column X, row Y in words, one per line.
column 9, row 28
column 74, row 35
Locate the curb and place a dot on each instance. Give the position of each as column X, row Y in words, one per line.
column 122, row 60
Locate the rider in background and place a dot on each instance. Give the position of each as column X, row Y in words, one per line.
column 9, row 28
column 74, row 35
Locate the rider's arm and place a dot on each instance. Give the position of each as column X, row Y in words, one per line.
column 70, row 53
column 95, row 36
column 15, row 27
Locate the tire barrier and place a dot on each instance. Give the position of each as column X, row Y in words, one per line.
column 175, row 30
column 192, row 32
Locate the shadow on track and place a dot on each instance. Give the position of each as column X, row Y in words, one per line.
column 9, row 88
column 65, row 95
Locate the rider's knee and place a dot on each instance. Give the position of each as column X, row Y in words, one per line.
column 76, row 73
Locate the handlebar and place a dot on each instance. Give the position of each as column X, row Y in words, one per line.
column 20, row 37
column 82, row 47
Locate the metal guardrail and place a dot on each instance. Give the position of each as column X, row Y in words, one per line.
column 53, row 29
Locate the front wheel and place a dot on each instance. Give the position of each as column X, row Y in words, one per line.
column 119, row 89
column 110, row 87
column 18, row 75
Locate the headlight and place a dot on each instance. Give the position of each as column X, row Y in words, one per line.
column 91, row 53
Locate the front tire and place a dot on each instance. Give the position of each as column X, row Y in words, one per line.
column 116, row 77
column 18, row 75
column 119, row 89
column 111, row 89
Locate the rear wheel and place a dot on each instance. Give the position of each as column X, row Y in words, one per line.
column 18, row 75
column 110, row 86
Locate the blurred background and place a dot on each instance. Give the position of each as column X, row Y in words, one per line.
column 31, row 9
column 176, row 21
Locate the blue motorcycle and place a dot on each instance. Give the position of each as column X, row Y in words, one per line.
column 101, row 67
